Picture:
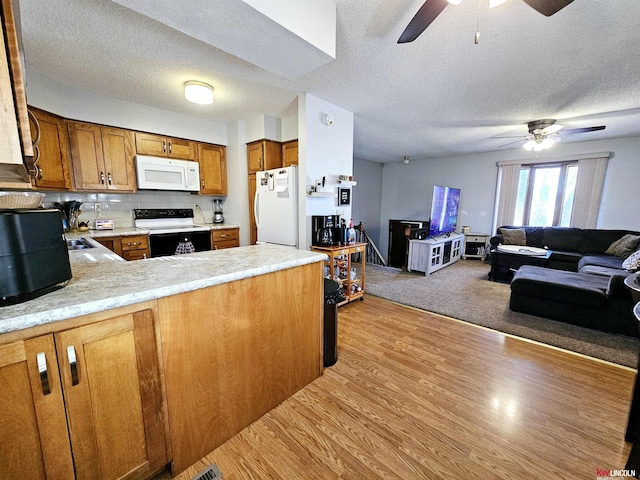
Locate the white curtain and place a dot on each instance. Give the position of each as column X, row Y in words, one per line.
column 588, row 194
column 508, row 178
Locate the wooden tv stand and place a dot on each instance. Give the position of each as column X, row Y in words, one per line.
column 434, row 253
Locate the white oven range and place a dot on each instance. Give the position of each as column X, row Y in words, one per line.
column 171, row 229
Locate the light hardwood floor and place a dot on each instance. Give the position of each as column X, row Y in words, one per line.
column 419, row 396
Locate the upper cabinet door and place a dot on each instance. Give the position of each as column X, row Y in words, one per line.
column 52, row 151
column 117, row 148
column 290, row 153
column 254, row 157
column 181, row 149
column 147, row 144
column 33, row 425
column 213, row 169
column 87, row 158
column 161, row 146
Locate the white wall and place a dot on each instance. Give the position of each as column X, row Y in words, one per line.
column 323, row 151
column 86, row 106
column 367, row 196
column 407, row 189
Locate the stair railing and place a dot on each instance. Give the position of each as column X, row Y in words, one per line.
column 373, row 255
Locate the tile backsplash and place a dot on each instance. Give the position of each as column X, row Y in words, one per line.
column 119, row 206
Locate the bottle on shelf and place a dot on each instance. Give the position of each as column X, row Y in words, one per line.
column 352, row 233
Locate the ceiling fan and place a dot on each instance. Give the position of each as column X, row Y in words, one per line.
column 546, row 132
column 432, row 8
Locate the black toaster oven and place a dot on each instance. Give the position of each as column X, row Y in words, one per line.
column 34, row 259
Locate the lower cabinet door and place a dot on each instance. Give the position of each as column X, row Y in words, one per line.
column 33, row 427
column 111, row 379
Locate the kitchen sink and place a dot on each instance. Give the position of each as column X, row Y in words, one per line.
column 78, row 244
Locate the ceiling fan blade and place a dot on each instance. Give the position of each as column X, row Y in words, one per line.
column 548, row 7
column 571, row 131
column 427, row 14
column 512, row 143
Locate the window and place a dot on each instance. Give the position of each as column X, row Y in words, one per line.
column 545, row 194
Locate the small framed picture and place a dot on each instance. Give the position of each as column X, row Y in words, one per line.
column 344, row 196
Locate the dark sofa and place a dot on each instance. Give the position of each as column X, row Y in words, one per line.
column 573, row 248
column 580, row 284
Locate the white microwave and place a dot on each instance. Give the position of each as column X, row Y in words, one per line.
column 156, row 173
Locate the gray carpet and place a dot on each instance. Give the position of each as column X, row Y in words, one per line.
column 462, row 291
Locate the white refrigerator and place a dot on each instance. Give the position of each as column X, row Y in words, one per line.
column 276, row 206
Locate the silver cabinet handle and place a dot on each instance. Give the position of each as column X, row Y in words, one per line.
column 102, row 178
column 202, row 183
column 44, row 374
column 110, row 179
column 224, row 235
column 164, row 146
column 170, row 148
column 73, row 365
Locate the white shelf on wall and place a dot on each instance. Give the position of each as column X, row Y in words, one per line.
column 322, row 194
column 348, row 183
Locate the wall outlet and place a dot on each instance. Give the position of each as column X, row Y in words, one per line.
column 97, row 207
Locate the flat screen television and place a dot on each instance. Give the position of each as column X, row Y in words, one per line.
column 444, row 210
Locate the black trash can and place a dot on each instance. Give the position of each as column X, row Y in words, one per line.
column 332, row 297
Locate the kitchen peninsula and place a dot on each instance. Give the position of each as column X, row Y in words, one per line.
column 136, row 365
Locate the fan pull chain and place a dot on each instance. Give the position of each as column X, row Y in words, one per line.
column 476, row 39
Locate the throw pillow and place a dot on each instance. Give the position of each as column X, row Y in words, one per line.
column 632, row 263
column 514, row 236
column 623, row 247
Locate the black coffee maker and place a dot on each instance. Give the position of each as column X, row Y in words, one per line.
column 325, row 230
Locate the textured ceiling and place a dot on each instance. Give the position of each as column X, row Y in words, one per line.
column 440, row 95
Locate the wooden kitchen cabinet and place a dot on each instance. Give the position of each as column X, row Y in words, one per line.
column 16, row 149
column 102, row 157
column 162, row 146
column 52, row 151
column 103, row 416
column 33, row 424
column 225, row 238
column 263, row 155
column 213, row 169
column 129, row 247
column 290, row 153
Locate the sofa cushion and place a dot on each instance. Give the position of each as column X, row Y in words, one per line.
column 597, row 241
column 603, row 271
column 624, row 246
column 566, row 287
column 513, row 236
column 535, row 236
column 600, row 261
column 632, row 262
column 561, row 238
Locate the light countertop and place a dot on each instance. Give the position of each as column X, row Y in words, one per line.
column 124, row 231
column 102, row 280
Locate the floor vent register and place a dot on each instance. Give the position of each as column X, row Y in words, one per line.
column 212, row 472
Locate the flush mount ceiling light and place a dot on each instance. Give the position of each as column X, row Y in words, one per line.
column 198, row 92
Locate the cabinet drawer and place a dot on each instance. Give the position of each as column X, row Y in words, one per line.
column 357, row 249
column 481, row 239
column 224, row 235
column 136, row 242
column 135, row 255
column 219, row 245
